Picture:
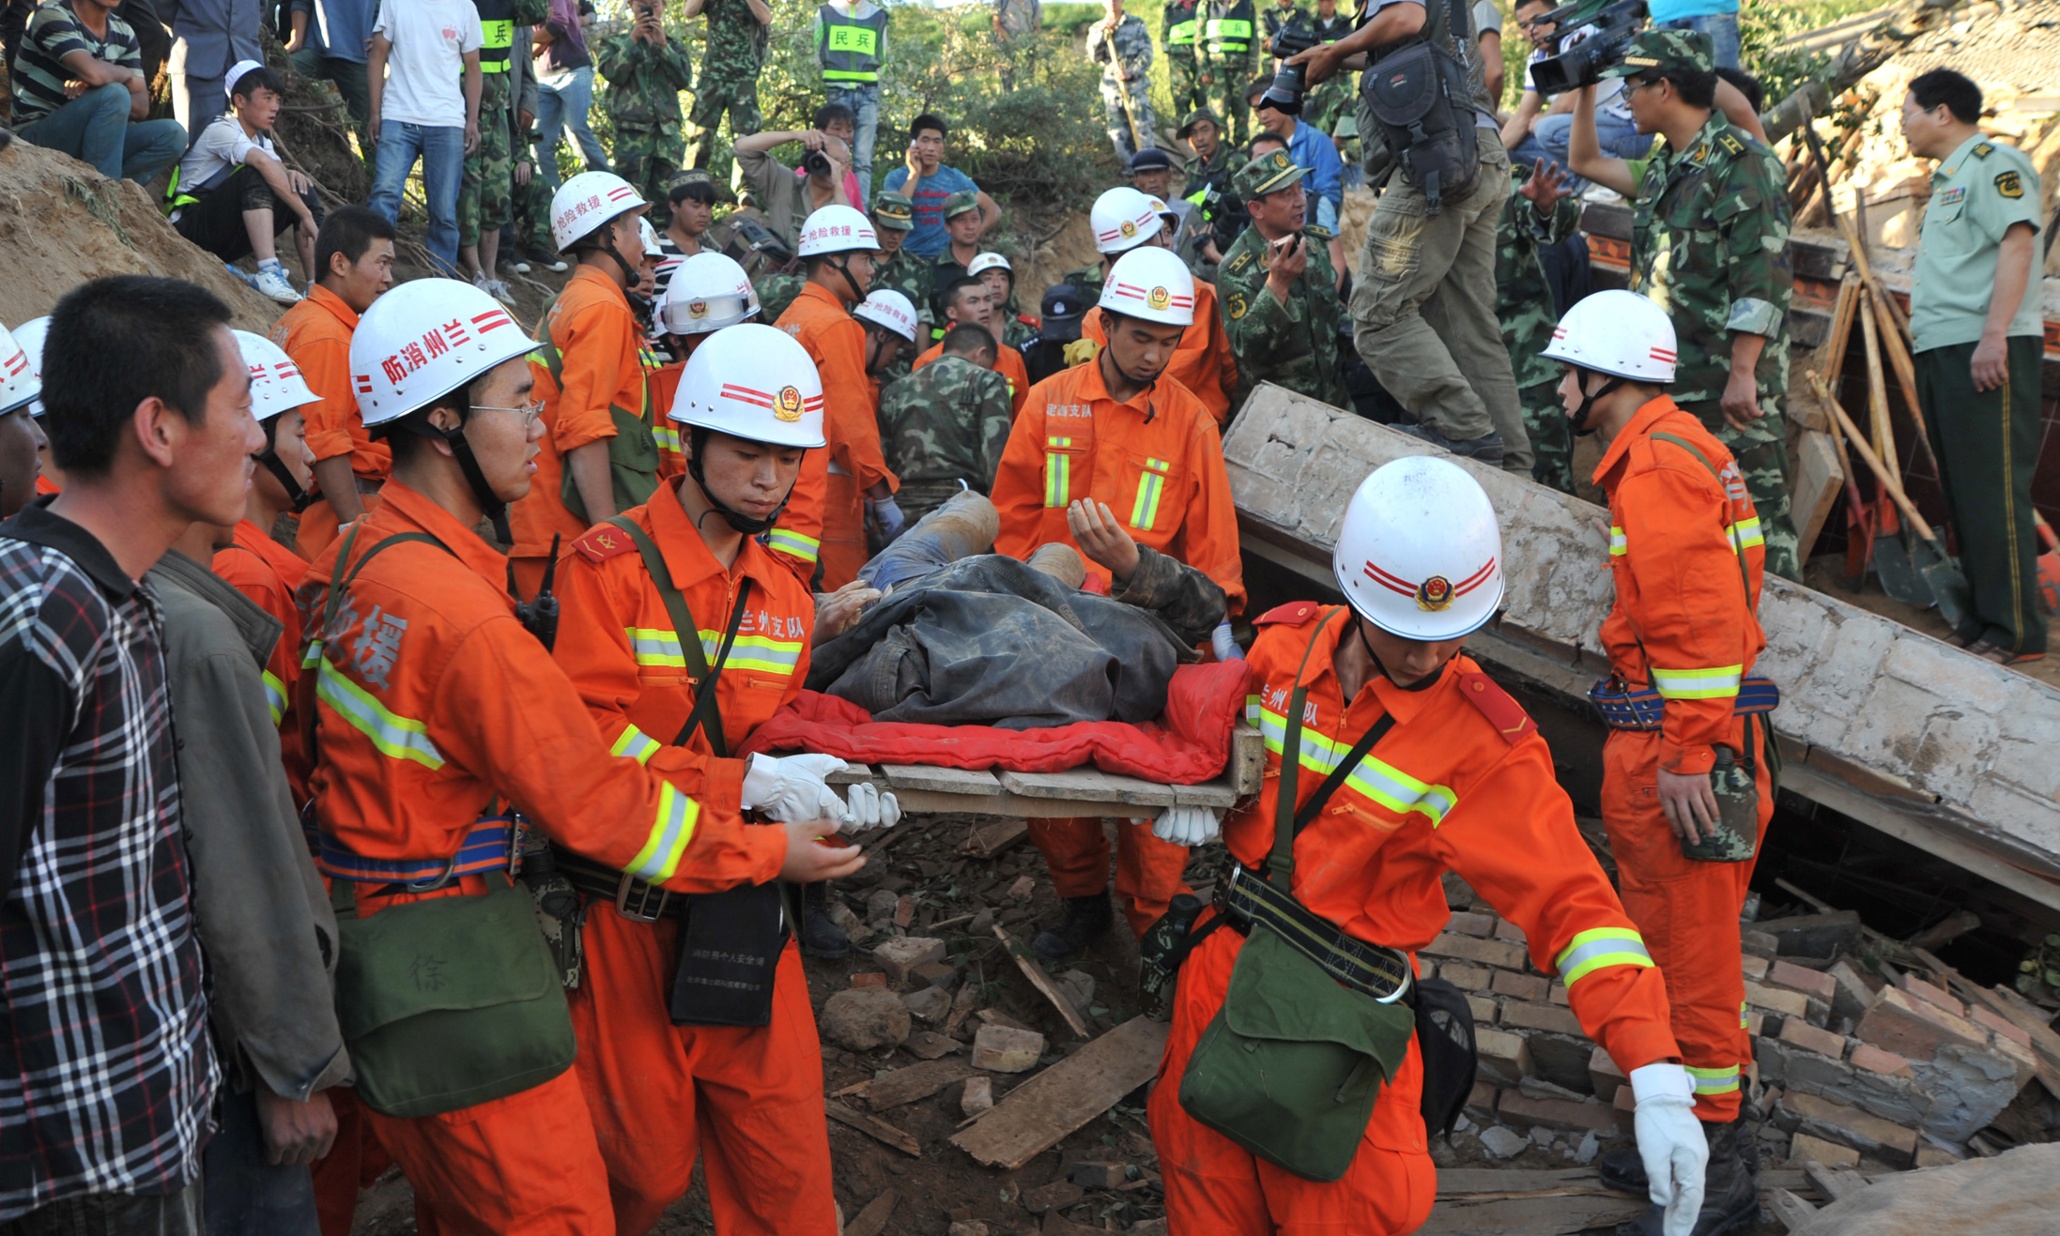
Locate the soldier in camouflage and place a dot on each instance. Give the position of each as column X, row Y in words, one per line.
column 1120, row 44
column 647, row 71
column 1709, row 244
column 1230, row 55
column 947, row 422
column 962, row 220
column 1539, row 214
column 486, row 192
column 895, row 269
column 1328, row 103
column 738, row 32
column 994, row 270
column 1279, row 294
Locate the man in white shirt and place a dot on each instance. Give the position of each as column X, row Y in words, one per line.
column 233, row 196
column 421, row 51
column 1538, row 130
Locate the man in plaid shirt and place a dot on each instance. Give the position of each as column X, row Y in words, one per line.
column 106, row 1071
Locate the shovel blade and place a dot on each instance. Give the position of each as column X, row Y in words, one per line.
column 1943, row 579
column 1898, row 574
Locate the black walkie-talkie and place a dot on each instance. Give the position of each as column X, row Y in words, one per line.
column 539, row 617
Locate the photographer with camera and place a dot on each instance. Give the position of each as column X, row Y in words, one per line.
column 785, row 196
column 1537, row 129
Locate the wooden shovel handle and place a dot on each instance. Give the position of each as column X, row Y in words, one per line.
column 1881, row 473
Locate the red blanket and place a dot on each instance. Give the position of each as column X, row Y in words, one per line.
column 1187, row 745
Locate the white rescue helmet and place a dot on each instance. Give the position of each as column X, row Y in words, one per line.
column 1619, row 333
column 585, row 202
column 1124, row 218
column 1152, row 284
column 983, row 262
column 837, row 229
column 890, row 309
column 21, row 366
column 276, row 383
column 1419, row 554
column 708, row 292
column 754, row 382
column 650, row 238
column 425, row 338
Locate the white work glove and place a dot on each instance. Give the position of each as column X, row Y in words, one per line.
column 867, row 808
column 1188, row 825
column 887, row 513
column 1671, row 1142
column 1224, row 645
column 790, row 788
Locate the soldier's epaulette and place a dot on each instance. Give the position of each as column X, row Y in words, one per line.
column 1983, row 150
column 1730, row 143
column 1029, row 321
column 1293, row 614
column 1316, row 231
column 1238, row 264
column 602, row 542
column 1504, row 713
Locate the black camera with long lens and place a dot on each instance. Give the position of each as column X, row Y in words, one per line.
column 1615, row 21
column 1285, row 92
column 815, row 163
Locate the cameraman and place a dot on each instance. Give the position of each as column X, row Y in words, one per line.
column 1709, row 241
column 785, row 196
column 1418, row 268
column 1537, row 130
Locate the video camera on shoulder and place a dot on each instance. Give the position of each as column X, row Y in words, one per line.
column 1615, row 21
column 1292, row 81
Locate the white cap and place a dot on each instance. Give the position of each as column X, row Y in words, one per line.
column 25, row 374
column 1619, row 333
column 425, row 338
column 754, row 382
column 650, row 238
column 1152, row 284
column 236, row 72
column 708, row 292
column 275, row 381
column 1420, row 552
column 1123, row 218
column 989, row 261
column 585, row 202
column 837, row 229
column 890, row 309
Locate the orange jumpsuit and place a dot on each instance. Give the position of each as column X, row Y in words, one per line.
column 829, row 499
column 599, row 346
column 1008, row 362
column 750, row 1100
column 1462, row 783
column 316, row 334
column 1682, row 547
column 1157, row 462
column 664, row 383
column 1203, row 362
column 270, row 574
column 431, row 704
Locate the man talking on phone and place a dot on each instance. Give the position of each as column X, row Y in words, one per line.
column 1278, row 292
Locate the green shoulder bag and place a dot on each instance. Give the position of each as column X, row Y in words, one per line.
column 632, row 452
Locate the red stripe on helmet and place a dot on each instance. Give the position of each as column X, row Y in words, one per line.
column 745, row 394
column 1474, row 580
column 1393, row 583
column 492, row 319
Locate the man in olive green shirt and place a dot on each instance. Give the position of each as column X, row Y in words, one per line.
column 1979, row 342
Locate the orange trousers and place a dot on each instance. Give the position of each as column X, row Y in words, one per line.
column 525, row 1164
column 1688, row 913
column 1147, row 869
column 748, row 1100
column 356, row 1161
column 1216, row 1186
column 844, row 545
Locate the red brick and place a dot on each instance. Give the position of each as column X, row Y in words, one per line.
column 1481, row 952
column 1914, row 1029
column 1556, row 1113
column 1874, row 1060
column 1937, row 996
column 1626, row 1099
column 1798, row 1033
column 1522, row 986
column 1803, row 979
column 871, row 978
column 1482, row 1098
column 1603, row 1073
column 1504, row 1058
column 1466, row 977
column 1558, row 996
column 1483, row 1008
column 1777, row 999
column 1868, row 1134
column 1468, row 923
column 1807, row 1149
column 1755, row 967
column 1506, row 930
column 2001, row 1025
column 1527, row 1016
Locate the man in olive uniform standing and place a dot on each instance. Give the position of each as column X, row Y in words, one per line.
column 646, row 73
column 737, row 38
column 1279, row 294
column 898, row 270
column 1180, row 38
column 1538, row 215
column 486, row 194
column 1121, row 45
column 1230, row 55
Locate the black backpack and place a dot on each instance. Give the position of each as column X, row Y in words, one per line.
column 1421, row 94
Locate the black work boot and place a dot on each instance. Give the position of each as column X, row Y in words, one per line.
column 1624, row 1171
column 821, row 938
column 1087, row 919
column 1730, row 1199
column 1488, row 448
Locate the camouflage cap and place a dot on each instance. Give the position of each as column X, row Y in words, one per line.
column 1188, row 122
column 895, row 212
column 1661, row 51
column 1268, row 173
column 959, row 203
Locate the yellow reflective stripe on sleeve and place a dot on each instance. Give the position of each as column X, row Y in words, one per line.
column 313, row 656
column 1058, row 472
column 275, row 696
column 635, row 744
column 1151, row 486
column 1716, row 683
column 403, row 738
column 660, row 857
column 668, row 438
column 1742, row 1022
column 1745, row 534
column 1618, row 545
column 1252, row 711
column 1714, row 1081
column 1374, row 779
column 1589, row 951
column 793, row 544
column 652, row 647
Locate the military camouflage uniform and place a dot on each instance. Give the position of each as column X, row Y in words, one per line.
column 729, row 79
column 1296, row 344
column 1229, row 58
column 1524, row 303
column 643, row 103
column 1709, row 244
column 1126, row 60
column 904, row 272
column 1180, row 33
column 776, row 291
column 486, row 196
column 1326, row 103
column 946, row 422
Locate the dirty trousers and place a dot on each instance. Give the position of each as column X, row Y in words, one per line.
column 844, row 544
column 1214, row 1185
column 1688, row 913
column 1147, row 869
column 749, row 1100
column 1423, row 310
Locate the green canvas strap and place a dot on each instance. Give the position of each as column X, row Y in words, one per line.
column 1280, row 864
column 339, row 583
column 707, row 712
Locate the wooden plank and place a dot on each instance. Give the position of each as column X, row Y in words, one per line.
column 875, row 1128
column 1819, row 481
column 1462, row 1181
column 1039, row 1113
column 1551, row 1215
column 1791, row 1210
column 917, row 1081
column 1833, row 1182
column 1217, row 794
column 990, row 837
column 1042, row 982
column 978, row 782
column 873, row 1219
column 852, row 774
column 1089, row 783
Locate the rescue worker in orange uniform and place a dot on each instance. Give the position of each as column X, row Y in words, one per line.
column 1447, row 774
column 1114, row 431
column 589, row 372
column 891, row 326
column 850, row 485
column 1125, row 219
column 707, row 293
column 749, row 1096
column 967, row 299
column 1685, row 552
column 432, row 708
column 354, row 253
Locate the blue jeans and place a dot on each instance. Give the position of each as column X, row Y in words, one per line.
column 863, row 98
column 95, row 128
column 1548, row 140
column 247, row 1196
column 564, row 105
column 442, row 151
column 1722, row 29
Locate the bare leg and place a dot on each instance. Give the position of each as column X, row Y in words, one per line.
column 489, row 251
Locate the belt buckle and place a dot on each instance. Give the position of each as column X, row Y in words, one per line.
column 632, row 889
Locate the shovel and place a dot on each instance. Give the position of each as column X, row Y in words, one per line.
column 1940, row 573
column 2049, row 564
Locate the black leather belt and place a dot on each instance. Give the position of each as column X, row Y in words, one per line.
column 1380, row 972
column 634, row 899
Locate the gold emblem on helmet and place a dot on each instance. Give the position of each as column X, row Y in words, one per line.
column 1434, row 593
column 1128, row 229
column 697, row 309
column 1158, row 299
column 787, row 404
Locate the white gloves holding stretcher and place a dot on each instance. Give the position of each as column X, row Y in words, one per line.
column 1188, row 825
column 1671, row 1142
column 794, row 787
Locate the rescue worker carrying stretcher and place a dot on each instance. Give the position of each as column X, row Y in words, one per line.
column 1690, row 768
column 435, row 717
column 1292, row 1096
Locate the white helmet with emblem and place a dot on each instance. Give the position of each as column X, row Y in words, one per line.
column 837, row 229
column 1124, row 218
column 425, row 338
column 1152, row 284
column 649, row 235
column 276, row 384
column 890, row 309
column 754, row 382
column 1619, row 333
column 984, row 262
column 21, row 366
column 585, row 202
column 708, row 292
column 1419, row 554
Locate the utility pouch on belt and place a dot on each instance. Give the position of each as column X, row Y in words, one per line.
column 632, row 452
column 1421, row 96
column 1444, row 1036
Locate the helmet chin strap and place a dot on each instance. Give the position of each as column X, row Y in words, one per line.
column 1581, row 419
column 841, row 263
column 297, row 499
column 697, row 441
column 1422, row 684
column 491, row 505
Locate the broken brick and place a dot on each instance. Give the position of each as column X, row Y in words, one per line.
column 1557, row 1113
column 904, row 912
column 1481, row 1099
column 2001, row 1025
column 1022, row 889
column 1604, row 1074
column 1558, row 995
column 1468, row 923
column 1801, row 978
column 901, row 955
column 1914, row 1029
column 1482, row 1008
column 1506, row 930
column 1874, row 1060
column 1529, row 1016
column 1499, row 953
column 1504, row 1058
column 1100, row 1174
column 1521, row 986
column 869, row 978
column 1755, row 967
column 1937, row 996
column 1792, row 1003
column 1798, row 1033
column 1807, row 1149
column 1849, row 1126
column 1005, row 1049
